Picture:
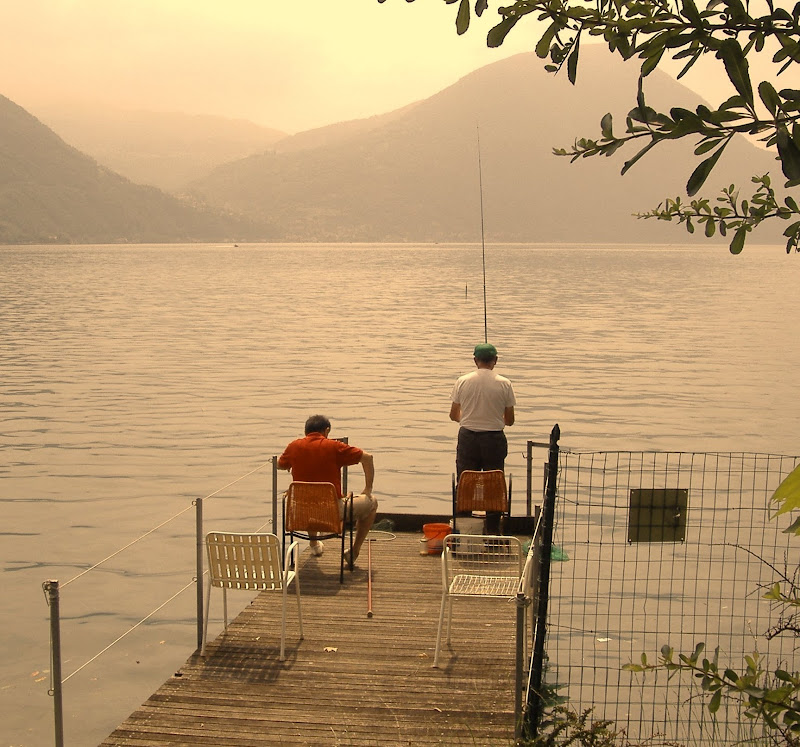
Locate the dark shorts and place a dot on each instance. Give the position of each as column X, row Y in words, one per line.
column 480, row 450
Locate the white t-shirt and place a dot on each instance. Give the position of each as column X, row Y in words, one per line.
column 483, row 397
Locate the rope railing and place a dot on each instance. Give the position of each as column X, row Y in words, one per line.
column 52, row 588
column 164, row 523
column 52, row 591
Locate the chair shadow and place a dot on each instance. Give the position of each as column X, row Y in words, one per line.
column 319, row 577
column 241, row 662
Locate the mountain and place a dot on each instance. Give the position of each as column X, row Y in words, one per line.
column 163, row 149
column 52, row 193
column 412, row 175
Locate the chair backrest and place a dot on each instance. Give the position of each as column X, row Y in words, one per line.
column 482, row 555
column 482, row 491
column 312, row 507
column 244, row 561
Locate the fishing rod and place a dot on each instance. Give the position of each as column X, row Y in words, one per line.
column 483, row 240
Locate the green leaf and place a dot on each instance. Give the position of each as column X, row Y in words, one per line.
column 572, row 62
column 497, row 34
column 691, row 12
column 716, row 699
column 606, row 126
column 543, row 45
column 769, row 96
column 789, row 154
column 462, row 19
column 651, row 63
column 788, row 492
column 700, row 174
column 793, row 528
column 738, row 240
column 737, row 68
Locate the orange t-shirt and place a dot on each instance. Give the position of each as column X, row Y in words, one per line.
column 316, row 458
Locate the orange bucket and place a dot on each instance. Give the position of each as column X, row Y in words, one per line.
column 434, row 537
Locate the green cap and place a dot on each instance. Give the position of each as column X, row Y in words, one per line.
column 485, row 352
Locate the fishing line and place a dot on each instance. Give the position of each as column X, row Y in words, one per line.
column 483, row 239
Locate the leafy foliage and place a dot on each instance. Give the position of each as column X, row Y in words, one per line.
column 650, row 29
column 774, row 700
column 563, row 727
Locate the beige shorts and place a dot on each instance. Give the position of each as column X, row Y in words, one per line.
column 363, row 506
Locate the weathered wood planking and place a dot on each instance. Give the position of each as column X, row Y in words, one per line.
column 374, row 686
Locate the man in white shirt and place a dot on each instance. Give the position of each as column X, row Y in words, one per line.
column 483, row 403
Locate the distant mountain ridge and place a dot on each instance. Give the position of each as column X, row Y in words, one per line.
column 164, row 149
column 52, row 193
column 412, row 175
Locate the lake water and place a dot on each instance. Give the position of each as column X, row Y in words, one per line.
column 135, row 379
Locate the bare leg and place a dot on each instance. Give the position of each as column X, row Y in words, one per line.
column 362, row 530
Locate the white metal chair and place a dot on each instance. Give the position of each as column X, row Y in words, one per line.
column 477, row 566
column 251, row 562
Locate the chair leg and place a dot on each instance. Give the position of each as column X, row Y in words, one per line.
column 341, row 560
column 283, row 624
column 439, row 632
column 449, row 617
column 299, row 610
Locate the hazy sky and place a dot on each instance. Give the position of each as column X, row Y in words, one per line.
column 289, row 64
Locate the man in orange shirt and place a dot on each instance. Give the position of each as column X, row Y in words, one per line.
column 317, row 458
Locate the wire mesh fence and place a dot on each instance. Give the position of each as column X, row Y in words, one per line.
column 663, row 548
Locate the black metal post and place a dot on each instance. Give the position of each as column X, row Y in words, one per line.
column 51, row 592
column 275, row 494
column 529, row 478
column 534, row 711
column 198, row 504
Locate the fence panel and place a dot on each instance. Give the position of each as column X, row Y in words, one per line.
column 663, row 548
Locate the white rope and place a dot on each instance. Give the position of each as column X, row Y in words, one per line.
column 130, row 630
column 162, row 524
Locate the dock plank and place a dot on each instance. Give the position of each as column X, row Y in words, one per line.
column 374, row 685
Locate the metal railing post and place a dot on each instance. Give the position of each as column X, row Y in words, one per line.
column 534, row 711
column 199, row 568
column 518, row 673
column 51, row 592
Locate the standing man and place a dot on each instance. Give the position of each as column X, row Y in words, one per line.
column 317, row 458
column 483, row 403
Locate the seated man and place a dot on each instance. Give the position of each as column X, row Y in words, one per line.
column 317, row 458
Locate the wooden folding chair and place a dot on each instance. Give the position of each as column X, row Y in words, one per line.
column 481, row 491
column 250, row 562
column 313, row 508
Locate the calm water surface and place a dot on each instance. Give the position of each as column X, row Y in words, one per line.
column 135, row 379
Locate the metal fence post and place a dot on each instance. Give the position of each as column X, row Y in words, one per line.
column 534, row 712
column 529, row 478
column 51, row 593
column 199, row 568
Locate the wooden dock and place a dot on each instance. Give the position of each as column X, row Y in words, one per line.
column 353, row 680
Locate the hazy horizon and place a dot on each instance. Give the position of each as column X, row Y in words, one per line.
column 265, row 63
